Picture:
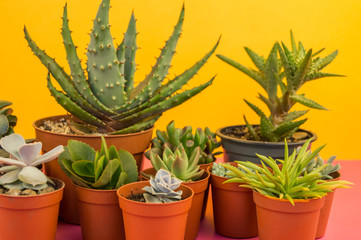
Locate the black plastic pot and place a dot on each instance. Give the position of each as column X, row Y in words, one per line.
column 244, row 150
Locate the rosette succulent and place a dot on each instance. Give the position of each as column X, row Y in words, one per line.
column 285, row 70
column 20, row 171
column 290, row 182
column 108, row 168
column 105, row 97
column 7, row 122
column 162, row 188
column 328, row 171
column 172, row 137
column 178, row 163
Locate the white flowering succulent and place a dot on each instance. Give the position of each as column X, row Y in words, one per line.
column 20, row 171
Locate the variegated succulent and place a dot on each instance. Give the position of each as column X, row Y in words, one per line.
column 162, row 188
column 178, row 163
column 20, row 171
column 327, row 171
column 108, row 168
column 285, row 70
column 172, row 137
column 107, row 99
column 290, row 182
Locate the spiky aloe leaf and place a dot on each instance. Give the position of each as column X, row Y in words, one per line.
column 314, row 76
column 294, row 115
column 287, row 65
column 266, row 128
column 307, row 102
column 302, row 71
column 103, row 63
column 138, row 127
column 323, row 62
column 251, row 130
column 258, row 61
column 252, row 74
column 271, row 71
column 255, row 108
column 284, row 128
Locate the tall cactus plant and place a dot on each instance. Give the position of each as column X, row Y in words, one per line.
column 107, row 98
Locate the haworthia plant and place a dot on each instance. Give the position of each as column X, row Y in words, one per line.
column 108, row 168
column 285, row 70
column 107, row 98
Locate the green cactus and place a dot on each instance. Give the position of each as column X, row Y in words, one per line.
column 327, row 171
column 172, row 137
column 287, row 72
column 178, row 163
column 108, row 168
column 107, row 98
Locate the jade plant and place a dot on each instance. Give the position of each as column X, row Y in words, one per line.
column 108, row 168
column 178, row 163
column 172, row 137
column 290, row 182
column 281, row 75
column 20, row 176
column 328, row 171
column 162, row 188
column 107, row 100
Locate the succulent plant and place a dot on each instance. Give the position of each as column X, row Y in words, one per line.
column 7, row 122
column 327, row 171
column 20, row 171
column 219, row 170
column 172, row 137
column 108, row 168
column 290, row 182
column 287, row 72
column 178, row 163
column 162, row 188
column 107, row 100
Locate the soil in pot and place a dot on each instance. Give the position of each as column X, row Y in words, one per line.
column 161, row 221
column 234, row 211
column 30, row 217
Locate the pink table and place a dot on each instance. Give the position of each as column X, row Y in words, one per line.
column 344, row 222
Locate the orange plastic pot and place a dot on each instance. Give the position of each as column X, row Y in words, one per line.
column 325, row 210
column 160, row 221
column 279, row 219
column 234, row 211
column 199, row 187
column 206, row 193
column 135, row 143
column 100, row 214
column 30, row 217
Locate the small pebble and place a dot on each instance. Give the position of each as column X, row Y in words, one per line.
column 28, row 192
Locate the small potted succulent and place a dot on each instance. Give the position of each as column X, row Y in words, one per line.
column 329, row 173
column 161, row 201
column 97, row 175
column 187, row 170
column 28, row 198
column 281, row 75
column 234, row 211
column 102, row 98
column 287, row 197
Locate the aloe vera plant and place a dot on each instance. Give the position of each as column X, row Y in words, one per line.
column 108, row 168
column 286, row 70
column 290, row 182
column 107, row 99
column 172, row 137
column 20, row 172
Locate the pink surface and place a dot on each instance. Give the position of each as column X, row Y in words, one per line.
column 344, row 222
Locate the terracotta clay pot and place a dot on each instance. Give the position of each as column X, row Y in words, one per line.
column 234, row 211
column 206, row 192
column 279, row 219
column 161, row 221
column 326, row 209
column 100, row 214
column 199, row 187
column 30, row 217
column 135, row 143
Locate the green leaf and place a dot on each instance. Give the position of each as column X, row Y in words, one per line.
column 113, row 153
column 31, row 175
column 323, row 62
column 293, row 42
column 179, row 167
column 84, row 168
column 307, row 102
column 255, row 108
column 4, row 103
column 287, row 126
column 122, row 180
column 4, row 124
column 271, row 71
column 80, row 151
column 109, row 170
column 100, row 168
column 258, row 61
column 128, row 165
column 266, row 127
column 114, row 179
column 251, row 130
column 302, row 71
column 294, row 115
column 317, row 75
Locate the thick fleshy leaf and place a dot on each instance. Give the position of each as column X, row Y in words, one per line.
column 37, row 187
column 29, row 152
column 9, row 161
column 100, row 167
column 8, row 168
column 80, row 151
column 122, row 179
column 15, row 185
column 107, row 174
column 47, row 157
column 4, row 124
column 128, row 165
column 12, row 143
column 10, row 177
column 83, row 168
column 32, row 175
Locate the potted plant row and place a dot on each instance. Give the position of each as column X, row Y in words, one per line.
column 106, row 101
column 281, row 75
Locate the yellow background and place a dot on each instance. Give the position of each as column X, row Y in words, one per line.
column 257, row 24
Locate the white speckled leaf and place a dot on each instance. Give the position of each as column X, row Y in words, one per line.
column 32, row 175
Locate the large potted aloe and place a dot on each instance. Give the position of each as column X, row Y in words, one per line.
column 28, row 198
column 106, row 101
column 160, row 202
column 288, row 197
column 97, row 175
column 281, row 76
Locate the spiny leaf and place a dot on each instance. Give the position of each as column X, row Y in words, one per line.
column 307, row 102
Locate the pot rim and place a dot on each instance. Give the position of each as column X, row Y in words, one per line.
column 37, row 122
column 285, row 200
column 223, row 136
column 92, row 189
